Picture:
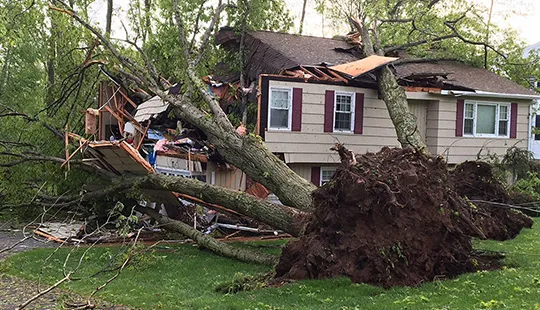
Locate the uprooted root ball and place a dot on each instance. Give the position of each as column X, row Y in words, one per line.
column 392, row 218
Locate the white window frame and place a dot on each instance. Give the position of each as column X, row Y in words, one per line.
column 497, row 118
column 290, row 91
column 332, row 169
column 353, row 102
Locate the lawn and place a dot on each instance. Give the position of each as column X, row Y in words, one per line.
column 184, row 277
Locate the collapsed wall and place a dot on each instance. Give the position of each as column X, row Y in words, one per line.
column 390, row 218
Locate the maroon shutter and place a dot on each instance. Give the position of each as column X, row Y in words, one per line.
column 316, row 175
column 459, row 117
column 359, row 114
column 329, row 111
column 297, row 109
column 513, row 120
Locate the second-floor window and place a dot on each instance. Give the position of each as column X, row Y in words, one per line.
column 344, row 112
column 280, row 108
column 486, row 119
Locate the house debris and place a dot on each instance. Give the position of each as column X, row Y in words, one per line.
column 134, row 134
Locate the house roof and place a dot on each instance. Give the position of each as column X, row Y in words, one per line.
column 460, row 75
column 307, row 50
column 273, row 52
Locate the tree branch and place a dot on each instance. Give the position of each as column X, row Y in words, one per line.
column 209, row 242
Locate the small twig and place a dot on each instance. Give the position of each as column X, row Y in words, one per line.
column 504, row 205
column 15, row 244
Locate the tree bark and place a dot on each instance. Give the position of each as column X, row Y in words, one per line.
column 281, row 217
column 209, row 242
column 393, row 95
column 302, row 17
column 109, row 18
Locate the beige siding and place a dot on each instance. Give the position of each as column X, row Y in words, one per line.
column 419, row 109
column 233, row 178
column 457, row 149
column 312, row 144
column 436, row 117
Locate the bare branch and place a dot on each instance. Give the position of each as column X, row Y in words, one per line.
column 130, row 64
column 196, row 27
column 420, row 42
column 206, row 37
column 181, row 31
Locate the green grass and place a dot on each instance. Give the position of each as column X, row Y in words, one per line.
column 186, row 278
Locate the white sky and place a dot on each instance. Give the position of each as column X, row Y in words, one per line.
column 522, row 15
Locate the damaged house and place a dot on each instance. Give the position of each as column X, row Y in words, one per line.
column 314, row 92
column 311, row 92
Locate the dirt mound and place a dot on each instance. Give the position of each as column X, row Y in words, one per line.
column 390, row 218
column 476, row 181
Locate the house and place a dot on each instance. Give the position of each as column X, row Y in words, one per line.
column 535, row 83
column 315, row 92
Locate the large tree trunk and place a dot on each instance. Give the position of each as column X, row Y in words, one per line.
column 209, row 242
column 247, row 153
column 281, row 217
column 396, row 102
column 393, row 95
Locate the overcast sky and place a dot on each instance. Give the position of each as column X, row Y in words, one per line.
column 522, row 15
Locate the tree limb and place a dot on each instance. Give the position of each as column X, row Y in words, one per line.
column 209, row 242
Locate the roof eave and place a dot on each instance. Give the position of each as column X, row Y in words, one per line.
column 484, row 94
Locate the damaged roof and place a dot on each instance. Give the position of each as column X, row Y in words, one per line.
column 273, row 52
column 461, row 75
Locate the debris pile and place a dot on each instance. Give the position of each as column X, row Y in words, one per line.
column 390, row 218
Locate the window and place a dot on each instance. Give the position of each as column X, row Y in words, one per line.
column 486, row 119
column 326, row 174
column 344, row 112
column 280, row 108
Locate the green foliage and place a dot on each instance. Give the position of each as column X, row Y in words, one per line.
column 243, row 283
column 520, row 162
column 470, row 22
column 529, row 185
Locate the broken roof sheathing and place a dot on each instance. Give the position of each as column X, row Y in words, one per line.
column 461, row 75
column 121, row 157
column 359, row 67
column 150, row 109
